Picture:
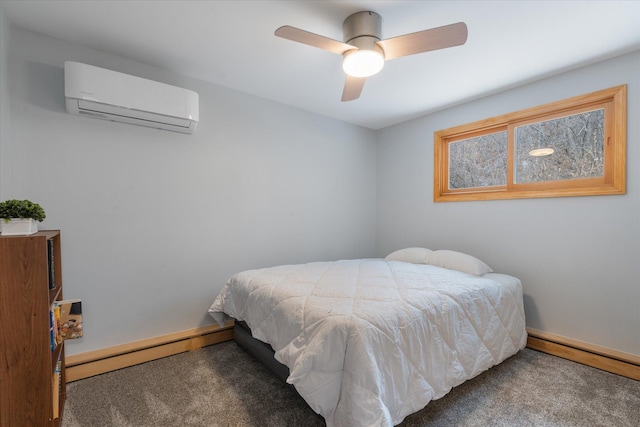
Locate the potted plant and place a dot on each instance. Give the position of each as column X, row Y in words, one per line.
column 19, row 217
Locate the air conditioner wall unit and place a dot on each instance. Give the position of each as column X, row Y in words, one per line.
column 106, row 94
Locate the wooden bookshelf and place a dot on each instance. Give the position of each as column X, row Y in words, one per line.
column 31, row 392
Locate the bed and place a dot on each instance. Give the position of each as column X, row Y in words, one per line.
column 367, row 342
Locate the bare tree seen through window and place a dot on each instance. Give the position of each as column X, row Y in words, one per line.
column 478, row 162
column 578, row 148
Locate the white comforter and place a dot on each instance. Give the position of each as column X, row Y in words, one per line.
column 370, row 341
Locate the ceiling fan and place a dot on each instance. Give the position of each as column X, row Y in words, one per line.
column 364, row 51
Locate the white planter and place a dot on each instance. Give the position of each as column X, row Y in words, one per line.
column 18, row 226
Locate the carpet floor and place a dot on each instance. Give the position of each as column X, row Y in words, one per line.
column 221, row 385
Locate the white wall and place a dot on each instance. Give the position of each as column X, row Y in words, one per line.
column 5, row 118
column 154, row 222
column 578, row 257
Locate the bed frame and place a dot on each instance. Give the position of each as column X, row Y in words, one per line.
column 258, row 349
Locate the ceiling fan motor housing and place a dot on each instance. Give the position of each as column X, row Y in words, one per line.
column 362, row 24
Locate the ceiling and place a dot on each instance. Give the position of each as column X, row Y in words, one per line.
column 231, row 43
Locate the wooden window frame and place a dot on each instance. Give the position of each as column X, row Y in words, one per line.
column 613, row 181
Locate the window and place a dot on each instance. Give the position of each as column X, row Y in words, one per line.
column 575, row 147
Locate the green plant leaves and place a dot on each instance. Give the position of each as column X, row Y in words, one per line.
column 21, row 209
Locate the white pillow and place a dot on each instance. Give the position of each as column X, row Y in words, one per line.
column 412, row 255
column 457, row 261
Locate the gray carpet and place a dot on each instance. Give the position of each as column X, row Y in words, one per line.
column 221, row 385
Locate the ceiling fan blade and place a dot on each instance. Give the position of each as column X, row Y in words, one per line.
column 311, row 39
column 424, row 41
column 352, row 88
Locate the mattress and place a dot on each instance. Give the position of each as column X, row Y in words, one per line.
column 368, row 342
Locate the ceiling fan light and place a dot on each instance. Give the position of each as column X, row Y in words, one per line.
column 363, row 63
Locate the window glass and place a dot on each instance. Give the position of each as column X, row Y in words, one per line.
column 479, row 161
column 569, row 147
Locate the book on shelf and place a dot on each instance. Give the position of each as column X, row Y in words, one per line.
column 55, row 330
column 52, row 331
column 70, row 318
column 56, row 382
column 56, row 325
column 50, row 264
